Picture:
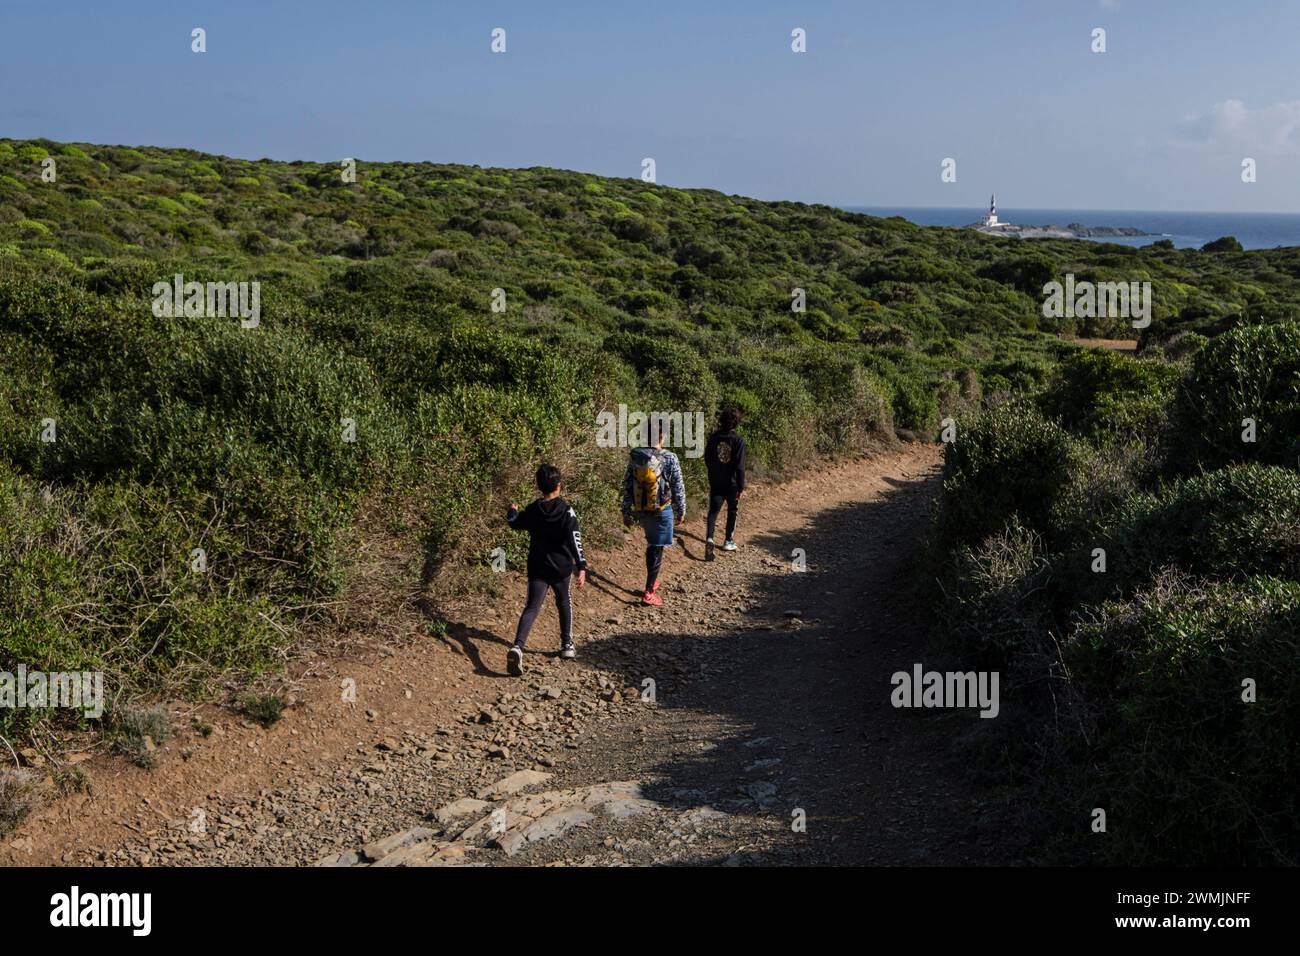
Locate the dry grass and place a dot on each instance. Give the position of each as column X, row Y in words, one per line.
column 20, row 794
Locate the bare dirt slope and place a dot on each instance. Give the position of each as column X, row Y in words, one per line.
column 746, row 721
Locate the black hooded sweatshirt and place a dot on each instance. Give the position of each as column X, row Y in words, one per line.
column 724, row 457
column 555, row 540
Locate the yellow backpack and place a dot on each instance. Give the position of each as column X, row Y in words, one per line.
column 649, row 489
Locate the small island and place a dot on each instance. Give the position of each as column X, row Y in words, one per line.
column 991, row 225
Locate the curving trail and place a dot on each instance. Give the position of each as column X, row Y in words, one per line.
column 770, row 706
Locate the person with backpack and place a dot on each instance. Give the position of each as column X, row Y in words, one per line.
column 654, row 491
column 724, row 458
column 554, row 551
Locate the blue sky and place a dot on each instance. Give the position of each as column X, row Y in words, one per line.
column 710, row 90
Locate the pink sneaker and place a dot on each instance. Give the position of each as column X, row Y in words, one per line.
column 649, row 597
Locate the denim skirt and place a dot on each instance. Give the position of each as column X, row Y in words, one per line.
column 658, row 527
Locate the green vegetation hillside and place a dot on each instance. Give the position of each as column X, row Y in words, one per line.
column 181, row 496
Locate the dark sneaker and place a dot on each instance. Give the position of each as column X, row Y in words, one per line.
column 708, row 550
column 515, row 661
column 568, row 652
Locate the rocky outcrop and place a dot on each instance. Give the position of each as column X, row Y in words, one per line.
column 508, row 826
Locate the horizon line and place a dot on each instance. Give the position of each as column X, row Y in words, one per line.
column 1199, row 212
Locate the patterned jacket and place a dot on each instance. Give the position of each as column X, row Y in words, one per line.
column 672, row 476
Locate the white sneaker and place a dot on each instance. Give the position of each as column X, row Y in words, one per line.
column 728, row 545
column 515, row 661
column 568, row 652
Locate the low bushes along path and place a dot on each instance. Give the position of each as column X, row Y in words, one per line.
column 703, row 732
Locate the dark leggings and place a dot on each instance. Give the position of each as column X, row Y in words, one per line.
column 654, row 558
column 537, row 588
column 716, row 498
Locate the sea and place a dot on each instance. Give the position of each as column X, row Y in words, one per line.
column 1257, row 230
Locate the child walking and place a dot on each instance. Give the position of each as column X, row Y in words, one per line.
column 724, row 457
column 554, row 552
column 654, row 491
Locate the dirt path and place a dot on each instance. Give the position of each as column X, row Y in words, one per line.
column 1117, row 345
column 746, row 721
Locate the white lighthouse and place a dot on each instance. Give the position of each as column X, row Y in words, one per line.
column 990, row 220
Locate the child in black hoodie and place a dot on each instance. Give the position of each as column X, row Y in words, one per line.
column 554, row 551
column 724, row 457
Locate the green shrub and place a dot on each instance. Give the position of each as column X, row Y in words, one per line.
column 46, row 579
column 1009, row 462
column 1188, row 772
column 266, row 709
column 1238, row 521
column 1027, row 274
column 994, row 608
column 1251, row 372
column 26, row 398
column 853, row 407
column 1023, row 373
column 915, row 406
column 1184, row 346
column 779, row 415
column 1225, row 244
column 674, row 375
column 1103, row 480
column 1110, row 397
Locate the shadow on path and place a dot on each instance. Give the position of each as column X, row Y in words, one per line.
column 783, row 711
column 468, row 640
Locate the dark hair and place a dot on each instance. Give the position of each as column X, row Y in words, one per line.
column 548, row 479
column 730, row 418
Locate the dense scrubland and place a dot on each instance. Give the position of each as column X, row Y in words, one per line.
column 174, row 434
column 1132, row 566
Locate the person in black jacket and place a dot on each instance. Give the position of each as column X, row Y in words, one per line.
column 554, row 551
column 724, row 457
